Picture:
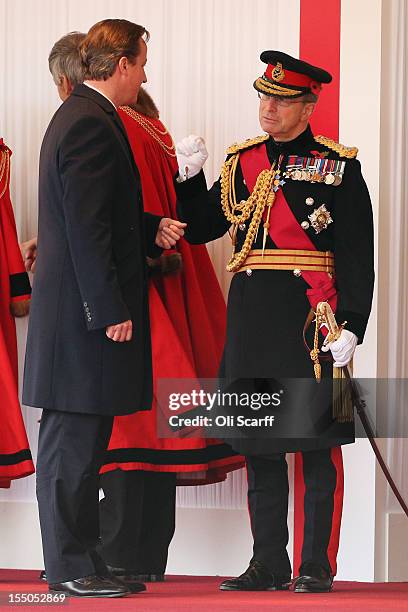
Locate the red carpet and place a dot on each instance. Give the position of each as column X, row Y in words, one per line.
column 196, row 594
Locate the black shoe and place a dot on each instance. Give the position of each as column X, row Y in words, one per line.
column 256, row 578
column 127, row 577
column 313, row 579
column 90, row 586
column 130, row 581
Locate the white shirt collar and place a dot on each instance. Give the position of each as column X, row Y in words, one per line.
column 100, row 92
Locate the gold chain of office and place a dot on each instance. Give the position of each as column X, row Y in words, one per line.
column 237, row 213
column 152, row 130
column 4, row 170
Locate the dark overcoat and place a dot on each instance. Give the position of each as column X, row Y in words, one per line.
column 91, row 267
column 268, row 308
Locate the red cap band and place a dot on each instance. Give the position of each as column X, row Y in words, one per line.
column 292, row 78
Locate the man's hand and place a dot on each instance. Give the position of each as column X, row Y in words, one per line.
column 122, row 332
column 169, row 232
column 29, row 252
column 343, row 348
column 191, row 156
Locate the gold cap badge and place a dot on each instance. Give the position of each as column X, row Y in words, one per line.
column 278, row 73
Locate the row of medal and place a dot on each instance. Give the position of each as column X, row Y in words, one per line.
column 315, row 170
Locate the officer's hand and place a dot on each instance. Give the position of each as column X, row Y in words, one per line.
column 169, row 232
column 191, row 156
column 29, row 252
column 122, row 332
column 343, row 348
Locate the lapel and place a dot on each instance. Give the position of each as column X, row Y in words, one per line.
column 86, row 92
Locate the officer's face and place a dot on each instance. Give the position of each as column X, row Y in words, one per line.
column 284, row 119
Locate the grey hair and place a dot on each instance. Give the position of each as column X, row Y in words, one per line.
column 309, row 98
column 65, row 59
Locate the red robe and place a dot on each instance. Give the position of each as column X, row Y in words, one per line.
column 187, row 313
column 15, row 456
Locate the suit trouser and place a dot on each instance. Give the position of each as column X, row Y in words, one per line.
column 268, row 506
column 137, row 518
column 70, row 453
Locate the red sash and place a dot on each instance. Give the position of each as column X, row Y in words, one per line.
column 285, row 230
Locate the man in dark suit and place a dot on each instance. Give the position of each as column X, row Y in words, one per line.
column 88, row 349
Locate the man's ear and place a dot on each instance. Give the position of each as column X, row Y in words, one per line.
column 123, row 64
column 308, row 110
column 66, row 86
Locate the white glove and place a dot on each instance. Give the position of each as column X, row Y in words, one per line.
column 191, row 155
column 343, row 348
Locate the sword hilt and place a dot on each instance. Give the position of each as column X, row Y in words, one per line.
column 325, row 316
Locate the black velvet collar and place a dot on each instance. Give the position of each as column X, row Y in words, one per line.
column 301, row 144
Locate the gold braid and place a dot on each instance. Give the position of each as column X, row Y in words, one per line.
column 4, row 169
column 261, row 196
column 342, row 150
column 152, row 130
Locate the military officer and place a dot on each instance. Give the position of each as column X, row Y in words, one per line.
column 300, row 217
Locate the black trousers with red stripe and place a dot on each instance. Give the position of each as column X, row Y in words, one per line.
column 268, row 492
